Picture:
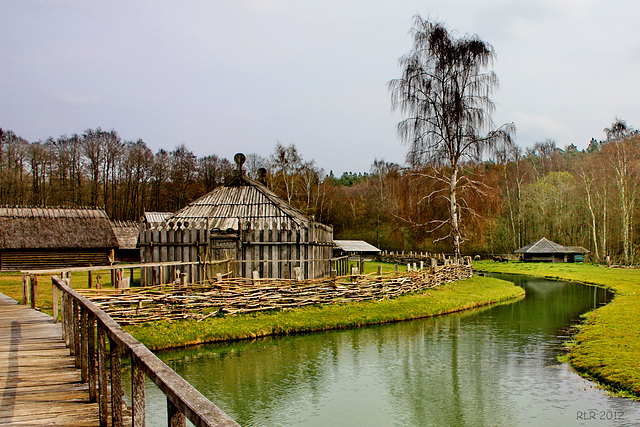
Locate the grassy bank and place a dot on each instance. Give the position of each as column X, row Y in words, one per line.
column 11, row 285
column 607, row 348
column 448, row 298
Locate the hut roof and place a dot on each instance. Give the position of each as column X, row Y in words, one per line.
column 356, row 246
column 55, row 228
column 154, row 218
column 546, row 246
column 243, row 199
column 127, row 233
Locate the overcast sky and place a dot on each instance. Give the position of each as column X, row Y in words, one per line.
column 242, row 75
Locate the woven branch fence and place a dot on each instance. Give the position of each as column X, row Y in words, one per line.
column 234, row 296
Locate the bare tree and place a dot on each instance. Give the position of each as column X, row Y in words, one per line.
column 622, row 153
column 445, row 90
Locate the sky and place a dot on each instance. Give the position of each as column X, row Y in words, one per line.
column 229, row 76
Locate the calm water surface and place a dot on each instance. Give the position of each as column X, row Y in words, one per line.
column 490, row 367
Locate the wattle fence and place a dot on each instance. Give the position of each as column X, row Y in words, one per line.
column 234, row 296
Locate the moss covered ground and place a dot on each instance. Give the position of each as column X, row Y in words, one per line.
column 607, row 346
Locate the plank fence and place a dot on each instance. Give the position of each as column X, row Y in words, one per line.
column 273, row 249
column 95, row 338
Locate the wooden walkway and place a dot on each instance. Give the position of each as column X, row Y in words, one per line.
column 39, row 383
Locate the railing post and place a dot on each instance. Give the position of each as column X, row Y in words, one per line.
column 84, row 351
column 137, row 393
column 34, row 290
column 25, row 289
column 175, row 417
column 69, row 322
column 54, row 301
column 116, row 384
column 91, row 355
column 77, row 344
column 102, row 376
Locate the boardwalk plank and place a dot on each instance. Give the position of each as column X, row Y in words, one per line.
column 39, row 384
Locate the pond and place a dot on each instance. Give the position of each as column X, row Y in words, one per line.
column 492, row 366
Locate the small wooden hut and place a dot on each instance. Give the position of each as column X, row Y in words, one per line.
column 236, row 230
column 38, row 238
column 127, row 233
column 545, row 250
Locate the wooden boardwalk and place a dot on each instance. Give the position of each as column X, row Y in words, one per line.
column 39, row 383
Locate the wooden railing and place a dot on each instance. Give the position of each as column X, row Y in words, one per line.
column 85, row 329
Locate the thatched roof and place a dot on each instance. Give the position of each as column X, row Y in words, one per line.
column 243, row 199
column 127, row 233
column 546, row 246
column 55, row 228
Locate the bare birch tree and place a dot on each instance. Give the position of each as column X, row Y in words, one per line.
column 445, row 92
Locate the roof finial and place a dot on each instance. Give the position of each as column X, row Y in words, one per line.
column 240, row 158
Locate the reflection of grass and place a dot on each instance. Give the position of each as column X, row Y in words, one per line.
column 11, row 285
column 607, row 348
column 462, row 295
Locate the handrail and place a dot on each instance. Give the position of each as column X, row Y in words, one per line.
column 80, row 319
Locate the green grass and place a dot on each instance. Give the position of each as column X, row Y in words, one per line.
column 11, row 285
column 448, row 298
column 607, row 347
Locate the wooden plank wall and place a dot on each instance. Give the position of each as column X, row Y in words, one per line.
column 165, row 245
column 274, row 252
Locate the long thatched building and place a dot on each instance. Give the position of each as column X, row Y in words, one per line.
column 236, row 230
column 36, row 238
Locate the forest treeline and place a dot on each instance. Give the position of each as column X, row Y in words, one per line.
column 574, row 197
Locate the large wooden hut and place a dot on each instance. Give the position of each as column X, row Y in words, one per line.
column 236, row 230
column 38, row 238
column 544, row 250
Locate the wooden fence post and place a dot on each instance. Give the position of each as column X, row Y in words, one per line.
column 90, row 279
column 84, row 350
column 34, row 290
column 91, row 356
column 25, row 289
column 137, row 393
column 102, row 376
column 54, row 300
column 175, row 417
column 77, row 344
column 116, row 383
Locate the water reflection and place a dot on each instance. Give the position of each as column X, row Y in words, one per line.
column 494, row 366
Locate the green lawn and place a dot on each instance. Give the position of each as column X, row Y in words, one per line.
column 607, row 348
column 11, row 285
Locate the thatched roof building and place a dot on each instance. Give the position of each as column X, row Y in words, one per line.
column 32, row 238
column 127, row 233
column 242, row 227
column 545, row 250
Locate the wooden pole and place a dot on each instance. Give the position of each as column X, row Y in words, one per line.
column 176, row 418
column 25, row 289
column 54, row 300
column 137, row 394
column 116, row 384
column 34, row 290
column 90, row 279
column 84, row 350
column 102, row 377
column 91, row 356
